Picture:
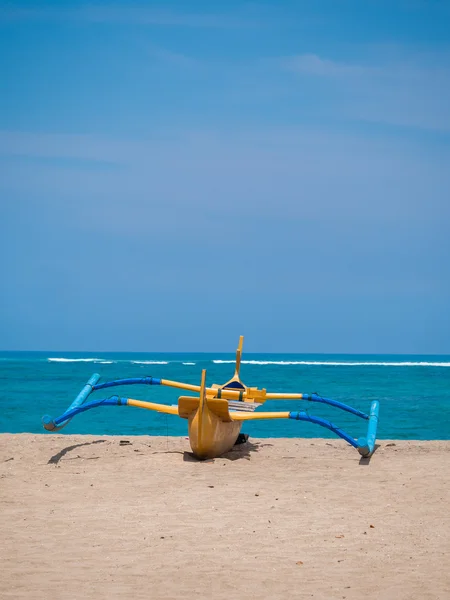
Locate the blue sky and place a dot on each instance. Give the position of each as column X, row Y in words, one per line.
column 175, row 174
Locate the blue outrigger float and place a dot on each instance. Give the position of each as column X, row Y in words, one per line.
column 216, row 415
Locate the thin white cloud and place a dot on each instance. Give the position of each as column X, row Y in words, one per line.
column 413, row 91
column 312, row 64
column 125, row 14
column 297, row 173
column 167, row 57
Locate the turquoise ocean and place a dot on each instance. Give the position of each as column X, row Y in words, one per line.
column 414, row 391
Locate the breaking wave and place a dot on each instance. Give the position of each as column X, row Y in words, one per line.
column 149, row 362
column 336, row 364
column 92, row 360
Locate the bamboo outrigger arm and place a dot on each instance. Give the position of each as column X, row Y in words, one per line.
column 216, row 415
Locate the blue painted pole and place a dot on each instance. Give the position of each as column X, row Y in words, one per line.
column 366, row 445
column 336, row 403
column 129, row 381
column 76, row 410
column 49, row 422
column 303, row 416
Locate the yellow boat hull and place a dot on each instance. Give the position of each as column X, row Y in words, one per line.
column 214, row 437
column 212, row 432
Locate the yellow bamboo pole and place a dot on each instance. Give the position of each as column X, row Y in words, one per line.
column 170, row 410
column 256, row 416
column 230, row 394
column 180, row 386
column 281, row 396
column 201, row 406
column 238, row 356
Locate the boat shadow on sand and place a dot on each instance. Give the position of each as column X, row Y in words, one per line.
column 54, row 460
column 365, row 460
column 239, row 451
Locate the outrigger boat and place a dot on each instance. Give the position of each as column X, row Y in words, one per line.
column 215, row 416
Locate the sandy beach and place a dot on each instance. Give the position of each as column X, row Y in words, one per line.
column 138, row 517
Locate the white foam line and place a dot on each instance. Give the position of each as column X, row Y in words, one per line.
column 337, row 364
column 149, row 362
column 70, row 360
column 188, row 363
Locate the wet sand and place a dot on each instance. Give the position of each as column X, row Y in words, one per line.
column 88, row 517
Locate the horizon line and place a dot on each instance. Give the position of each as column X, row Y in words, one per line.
column 233, row 353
